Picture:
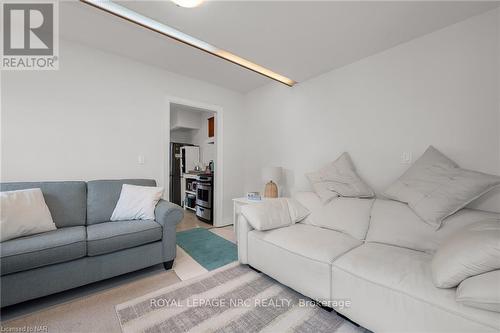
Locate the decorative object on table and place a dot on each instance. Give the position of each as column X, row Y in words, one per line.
column 254, row 196
column 271, row 175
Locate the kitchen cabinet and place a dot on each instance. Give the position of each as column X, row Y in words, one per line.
column 211, row 127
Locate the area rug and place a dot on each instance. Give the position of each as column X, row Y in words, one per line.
column 233, row 298
column 208, row 249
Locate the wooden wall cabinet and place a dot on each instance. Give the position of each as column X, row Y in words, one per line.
column 211, row 127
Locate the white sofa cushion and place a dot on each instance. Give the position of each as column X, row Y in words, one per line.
column 24, row 213
column 274, row 213
column 348, row 215
column 384, row 281
column 312, row 242
column 299, row 256
column 339, row 178
column 481, row 291
column 473, row 250
column 435, row 187
column 393, row 222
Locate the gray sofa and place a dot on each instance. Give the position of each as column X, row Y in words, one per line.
column 86, row 247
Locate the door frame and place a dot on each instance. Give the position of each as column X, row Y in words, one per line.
column 219, row 165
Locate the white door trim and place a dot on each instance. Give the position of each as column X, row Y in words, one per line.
column 219, row 180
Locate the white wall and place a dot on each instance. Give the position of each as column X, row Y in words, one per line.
column 441, row 89
column 207, row 151
column 179, row 117
column 182, row 136
column 93, row 117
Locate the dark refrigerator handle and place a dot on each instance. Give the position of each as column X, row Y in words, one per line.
column 171, row 159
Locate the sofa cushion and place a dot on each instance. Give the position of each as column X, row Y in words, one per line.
column 395, row 223
column 118, row 235
column 473, row 250
column 339, row 178
column 309, row 241
column 43, row 249
column 273, row 214
column 67, row 201
column 481, row 291
column 383, row 280
column 299, row 256
column 137, row 203
column 23, row 213
column 102, row 196
column 435, row 187
column 348, row 215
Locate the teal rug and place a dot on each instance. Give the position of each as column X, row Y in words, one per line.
column 208, row 249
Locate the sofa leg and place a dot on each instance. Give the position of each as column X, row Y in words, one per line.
column 168, row 264
column 324, row 307
column 321, row 305
column 255, row 269
column 349, row 320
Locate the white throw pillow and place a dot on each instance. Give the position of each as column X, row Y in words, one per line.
column 24, row 213
column 137, row 203
column 435, row 187
column 274, row 213
column 297, row 211
column 481, row 291
column 339, row 178
column 473, row 250
column 347, row 215
column 394, row 223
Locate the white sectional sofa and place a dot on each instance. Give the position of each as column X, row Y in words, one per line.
column 376, row 254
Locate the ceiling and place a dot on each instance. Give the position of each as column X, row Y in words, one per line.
column 298, row 39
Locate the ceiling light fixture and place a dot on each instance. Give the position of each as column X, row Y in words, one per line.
column 148, row 23
column 188, row 3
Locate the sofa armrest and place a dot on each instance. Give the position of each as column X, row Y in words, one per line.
column 168, row 215
column 242, row 230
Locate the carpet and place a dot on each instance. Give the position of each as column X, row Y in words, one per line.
column 233, row 298
column 208, row 249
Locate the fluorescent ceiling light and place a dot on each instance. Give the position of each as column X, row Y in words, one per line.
column 188, row 3
column 146, row 22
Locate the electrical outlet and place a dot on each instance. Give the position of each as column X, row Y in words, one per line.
column 406, row 157
column 141, row 159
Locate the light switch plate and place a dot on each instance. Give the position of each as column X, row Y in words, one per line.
column 406, row 157
column 140, row 159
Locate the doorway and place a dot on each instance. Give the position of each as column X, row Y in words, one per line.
column 193, row 159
